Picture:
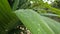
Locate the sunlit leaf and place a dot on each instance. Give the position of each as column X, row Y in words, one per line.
column 35, row 23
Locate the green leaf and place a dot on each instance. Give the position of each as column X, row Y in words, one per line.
column 50, row 14
column 15, row 5
column 7, row 18
column 55, row 10
column 53, row 24
column 35, row 23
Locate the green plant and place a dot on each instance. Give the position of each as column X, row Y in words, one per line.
column 33, row 16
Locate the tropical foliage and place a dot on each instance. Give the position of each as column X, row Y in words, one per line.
column 34, row 15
